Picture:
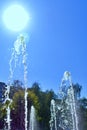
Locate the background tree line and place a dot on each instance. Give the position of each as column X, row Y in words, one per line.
column 39, row 99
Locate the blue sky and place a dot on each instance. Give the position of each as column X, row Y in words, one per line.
column 57, row 31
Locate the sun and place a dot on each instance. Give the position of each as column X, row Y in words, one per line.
column 15, row 17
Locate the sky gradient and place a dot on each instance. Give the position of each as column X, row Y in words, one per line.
column 57, row 31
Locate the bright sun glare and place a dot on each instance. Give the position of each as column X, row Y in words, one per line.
column 15, row 18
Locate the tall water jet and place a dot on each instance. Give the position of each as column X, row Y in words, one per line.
column 65, row 106
column 33, row 122
column 67, row 94
column 19, row 50
column 71, row 100
column 53, row 121
column 7, row 100
column 22, row 38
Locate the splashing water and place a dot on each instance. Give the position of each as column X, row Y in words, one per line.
column 53, row 115
column 33, row 123
column 65, row 109
column 71, row 101
column 19, row 50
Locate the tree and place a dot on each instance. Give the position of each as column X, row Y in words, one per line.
column 17, row 112
column 77, row 90
column 83, row 109
column 18, row 108
column 15, row 87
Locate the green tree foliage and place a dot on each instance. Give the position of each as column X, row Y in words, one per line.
column 83, row 105
column 33, row 100
column 15, row 87
column 18, row 111
column 41, row 101
column 2, row 116
column 45, row 99
column 77, row 90
column 44, row 105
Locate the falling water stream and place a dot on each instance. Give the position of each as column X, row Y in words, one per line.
column 19, row 50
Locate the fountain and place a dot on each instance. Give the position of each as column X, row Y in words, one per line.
column 64, row 114
column 53, row 115
column 19, row 50
column 33, row 122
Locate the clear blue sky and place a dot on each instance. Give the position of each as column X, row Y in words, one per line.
column 58, row 42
